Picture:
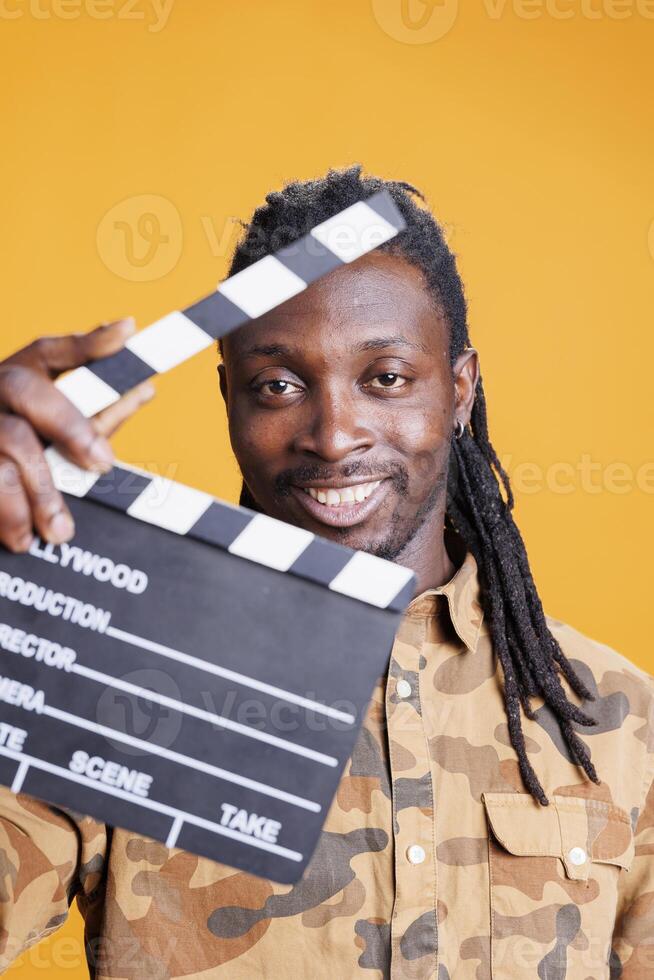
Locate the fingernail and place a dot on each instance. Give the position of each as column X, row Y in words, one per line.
column 146, row 392
column 24, row 543
column 127, row 325
column 101, row 455
column 61, row 527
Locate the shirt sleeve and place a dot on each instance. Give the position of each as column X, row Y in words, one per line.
column 47, row 857
column 632, row 951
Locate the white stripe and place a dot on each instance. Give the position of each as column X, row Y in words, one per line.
column 232, row 675
column 184, row 760
column 262, row 286
column 169, row 341
column 147, row 804
column 354, row 232
column 371, row 579
column 173, row 833
column 19, row 778
column 188, row 709
column 89, row 393
column 171, row 505
column 68, row 477
column 271, row 542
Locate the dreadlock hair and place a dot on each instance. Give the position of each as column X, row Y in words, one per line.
column 479, row 497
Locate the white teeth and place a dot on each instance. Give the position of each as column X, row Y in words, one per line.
column 346, row 495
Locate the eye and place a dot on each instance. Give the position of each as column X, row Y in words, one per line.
column 284, row 388
column 388, row 380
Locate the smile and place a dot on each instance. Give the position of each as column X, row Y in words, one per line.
column 337, row 496
column 341, row 506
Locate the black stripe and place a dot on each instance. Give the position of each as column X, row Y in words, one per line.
column 216, row 315
column 119, row 488
column 321, row 561
column 308, row 258
column 122, row 371
column 384, row 205
column 8, row 769
column 221, row 524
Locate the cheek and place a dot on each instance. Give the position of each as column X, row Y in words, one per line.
column 254, row 433
column 424, row 432
column 422, row 440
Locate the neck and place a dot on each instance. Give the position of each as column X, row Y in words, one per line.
column 427, row 555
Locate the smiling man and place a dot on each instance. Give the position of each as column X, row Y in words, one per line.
column 475, row 834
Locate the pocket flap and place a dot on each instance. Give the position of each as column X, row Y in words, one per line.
column 577, row 830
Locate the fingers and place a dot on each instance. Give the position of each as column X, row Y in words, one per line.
column 19, row 443
column 52, row 355
column 15, row 513
column 25, row 392
column 28, row 497
column 33, row 409
column 107, row 421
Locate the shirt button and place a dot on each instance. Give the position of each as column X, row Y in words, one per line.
column 403, row 689
column 416, row 854
column 577, row 855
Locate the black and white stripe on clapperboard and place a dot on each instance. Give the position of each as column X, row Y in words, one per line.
column 197, row 675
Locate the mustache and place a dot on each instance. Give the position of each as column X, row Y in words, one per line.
column 314, row 473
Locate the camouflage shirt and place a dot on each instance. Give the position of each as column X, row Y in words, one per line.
column 434, row 861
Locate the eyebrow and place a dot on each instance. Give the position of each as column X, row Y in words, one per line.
column 375, row 343
column 378, row 343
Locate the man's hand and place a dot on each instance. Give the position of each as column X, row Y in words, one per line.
column 34, row 411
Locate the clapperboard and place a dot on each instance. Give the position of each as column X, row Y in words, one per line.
column 190, row 670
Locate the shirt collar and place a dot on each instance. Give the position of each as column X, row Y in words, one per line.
column 463, row 598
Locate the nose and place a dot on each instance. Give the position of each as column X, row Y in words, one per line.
column 334, row 429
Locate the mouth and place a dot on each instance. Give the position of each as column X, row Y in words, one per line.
column 342, row 506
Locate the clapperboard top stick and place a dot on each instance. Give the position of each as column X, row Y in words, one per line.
column 241, row 298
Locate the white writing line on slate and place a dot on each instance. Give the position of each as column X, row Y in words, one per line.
column 232, row 675
column 188, row 709
column 185, row 760
column 19, row 778
column 170, row 811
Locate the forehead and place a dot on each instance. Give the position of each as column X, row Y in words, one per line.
column 380, row 290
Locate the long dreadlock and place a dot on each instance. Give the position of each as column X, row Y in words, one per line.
column 479, row 497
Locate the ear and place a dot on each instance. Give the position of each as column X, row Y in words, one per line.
column 466, row 376
column 222, row 377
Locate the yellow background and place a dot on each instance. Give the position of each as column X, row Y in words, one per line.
column 529, row 130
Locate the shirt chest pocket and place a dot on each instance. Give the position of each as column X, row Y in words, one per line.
column 554, row 874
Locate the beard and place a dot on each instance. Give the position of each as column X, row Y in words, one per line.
column 402, row 533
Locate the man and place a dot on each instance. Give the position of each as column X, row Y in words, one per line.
column 472, row 836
